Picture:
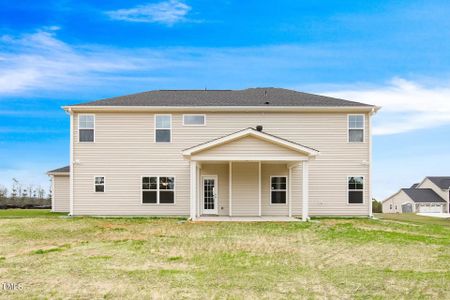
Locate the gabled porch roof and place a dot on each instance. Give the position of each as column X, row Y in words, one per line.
column 251, row 132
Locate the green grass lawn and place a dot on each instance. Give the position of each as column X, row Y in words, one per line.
column 414, row 218
column 92, row 258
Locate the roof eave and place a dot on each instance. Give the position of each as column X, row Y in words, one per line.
column 58, row 173
column 97, row 108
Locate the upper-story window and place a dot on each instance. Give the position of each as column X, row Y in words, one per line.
column 194, row 120
column 86, row 128
column 356, row 128
column 163, row 128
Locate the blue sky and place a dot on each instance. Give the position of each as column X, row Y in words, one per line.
column 395, row 54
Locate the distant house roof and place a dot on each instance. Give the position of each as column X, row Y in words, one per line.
column 423, row 195
column 65, row 169
column 259, row 97
column 414, row 185
column 442, row 182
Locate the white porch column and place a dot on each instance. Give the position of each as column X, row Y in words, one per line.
column 193, row 202
column 230, row 187
column 305, row 189
column 199, row 189
column 259, row 188
column 290, row 191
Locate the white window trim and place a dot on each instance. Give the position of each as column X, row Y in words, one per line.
column 363, row 190
column 157, row 191
column 104, row 184
column 363, row 128
column 286, row 190
column 156, row 128
column 195, row 125
column 78, row 126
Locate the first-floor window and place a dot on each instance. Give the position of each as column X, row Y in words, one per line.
column 99, row 182
column 158, row 190
column 278, row 189
column 355, row 189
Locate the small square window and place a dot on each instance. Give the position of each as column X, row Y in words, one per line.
column 99, row 183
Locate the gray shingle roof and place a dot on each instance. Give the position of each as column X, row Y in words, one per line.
column 441, row 181
column 423, row 195
column 65, row 169
column 414, row 185
column 247, row 97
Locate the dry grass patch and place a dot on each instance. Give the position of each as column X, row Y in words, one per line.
column 165, row 258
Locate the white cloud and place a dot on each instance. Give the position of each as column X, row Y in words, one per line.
column 40, row 61
column 166, row 12
column 406, row 105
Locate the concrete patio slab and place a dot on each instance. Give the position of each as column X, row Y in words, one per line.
column 247, row 219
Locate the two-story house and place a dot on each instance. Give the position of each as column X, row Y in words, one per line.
column 431, row 195
column 253, row 152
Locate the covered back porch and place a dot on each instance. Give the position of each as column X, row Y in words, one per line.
column 249, row 175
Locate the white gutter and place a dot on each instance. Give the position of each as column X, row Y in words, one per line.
column 94, row 108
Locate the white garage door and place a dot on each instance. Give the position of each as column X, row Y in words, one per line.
column 430, row 208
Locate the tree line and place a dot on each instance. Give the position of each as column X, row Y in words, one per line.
column 24, row 196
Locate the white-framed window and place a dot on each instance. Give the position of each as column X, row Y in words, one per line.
column 86, row 128
column 355, row 189
column 390, row 207
column 99, row 184
column 163, row 128
column 194, row 120
column 355, row 128
column 278, row 189
column 158, row 190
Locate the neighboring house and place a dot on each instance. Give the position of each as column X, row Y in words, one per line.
column 252, row 152
column 430, row 195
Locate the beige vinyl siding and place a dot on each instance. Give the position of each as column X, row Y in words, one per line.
column 397, row 200
column 245, row 200
column 248, row 147
column 61, row 193
column 124, row 150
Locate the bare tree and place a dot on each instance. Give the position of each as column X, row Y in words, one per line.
column 3, row 192
column 50, row 191
column 40, row 192
column 16, row 188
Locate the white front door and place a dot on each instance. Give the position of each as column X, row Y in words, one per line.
column 210, row 195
